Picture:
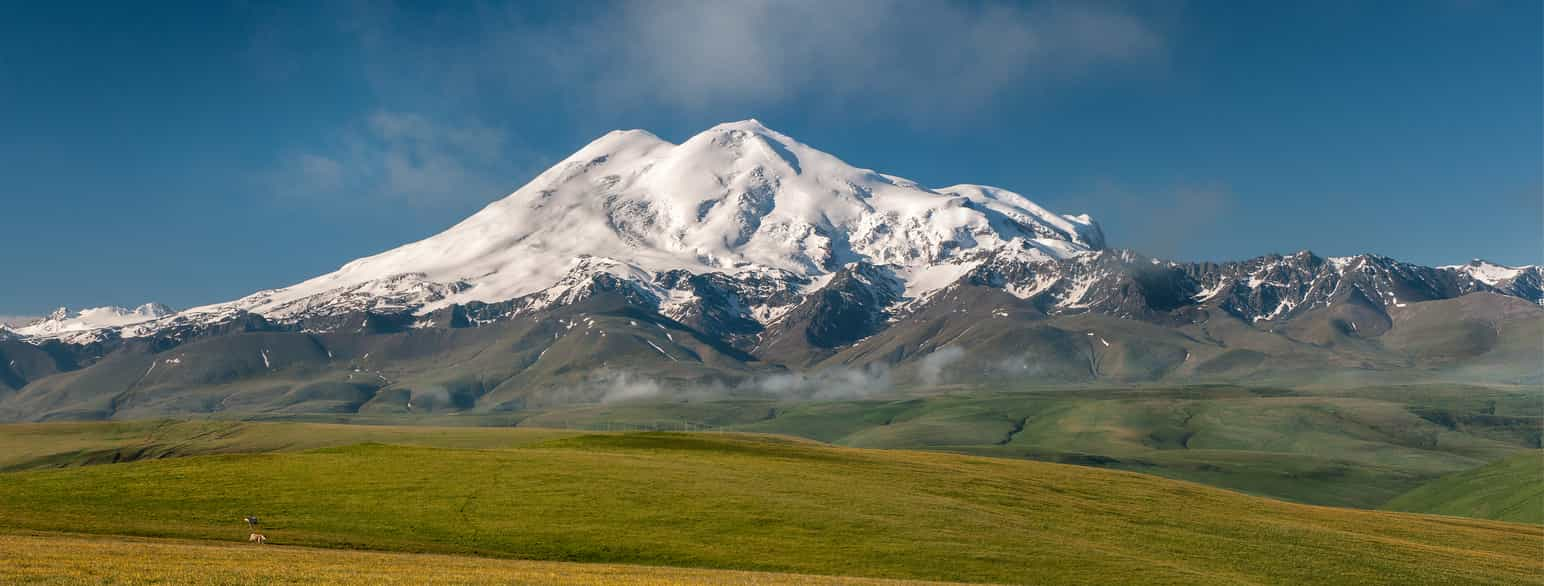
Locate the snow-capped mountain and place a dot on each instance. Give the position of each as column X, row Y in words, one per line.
column 85, row 324
column 742, row 250
column 738, row 200
column 1267, row 288
column 1524, row 281
column 736, row 225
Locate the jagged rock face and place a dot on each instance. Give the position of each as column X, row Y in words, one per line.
column 85, row 325
column 736, row 307
column 1525, row 282
column 1273, row 287
column 853, row 306
column 741, row 249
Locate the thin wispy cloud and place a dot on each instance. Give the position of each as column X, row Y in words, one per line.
column 907, row 60
column 920, row 63
column 405, row 158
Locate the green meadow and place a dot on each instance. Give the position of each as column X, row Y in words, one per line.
column 1508, row 490
column 728, row 501
column 1352, row 447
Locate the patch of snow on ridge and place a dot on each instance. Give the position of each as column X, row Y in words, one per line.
column 1487, row 272
column 1212, row 291
column 932, row 277
column 1028, row 290
column 1341, row 262
column 662, row 351
column 61, row 323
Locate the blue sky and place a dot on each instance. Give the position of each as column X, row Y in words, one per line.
column 193, row 152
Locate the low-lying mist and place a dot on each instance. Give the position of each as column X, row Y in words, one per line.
column 947, row 365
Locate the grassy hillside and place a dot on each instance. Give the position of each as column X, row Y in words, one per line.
column 1355, row 447
column 1473, row 337
column 770, row 504
column 52, row 445
column 1509, row 490
column 1338, row 446
column 53, row 558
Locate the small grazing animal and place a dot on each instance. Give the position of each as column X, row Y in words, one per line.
column 257, row 538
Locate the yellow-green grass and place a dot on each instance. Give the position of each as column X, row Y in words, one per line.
column 771, row 504
column 77, row 559
column 1356, row 447
column 1509, row 490
column 41, row 445
column 1329, row 450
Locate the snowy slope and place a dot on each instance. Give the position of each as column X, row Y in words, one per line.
column 737, row 198
column 1488, row 272
column 80, row 326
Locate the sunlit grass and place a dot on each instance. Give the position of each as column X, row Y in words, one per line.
column 74, row 559
column 763, row 503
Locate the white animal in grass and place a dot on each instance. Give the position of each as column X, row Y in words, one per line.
column 252, row 524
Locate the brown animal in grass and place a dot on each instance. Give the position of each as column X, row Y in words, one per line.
column 257, row 538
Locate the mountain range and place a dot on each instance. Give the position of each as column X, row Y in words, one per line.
column 742, row 262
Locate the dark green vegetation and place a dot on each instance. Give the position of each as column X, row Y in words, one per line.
column 765, row 503
column 1509, row 490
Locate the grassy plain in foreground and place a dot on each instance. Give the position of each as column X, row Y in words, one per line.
column 79, row 559
column 763, row 503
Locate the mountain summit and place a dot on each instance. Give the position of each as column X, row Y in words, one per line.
column 737, row 198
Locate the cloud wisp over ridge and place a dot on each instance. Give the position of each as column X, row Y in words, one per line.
column 907, row 60
column 444, row 79
column 401, row 157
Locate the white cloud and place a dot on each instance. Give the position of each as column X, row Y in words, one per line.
column 911, row 60
column 320, row 172
column 922, row 62
column 902, row 58
column 402, row 157
column 931, row 368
